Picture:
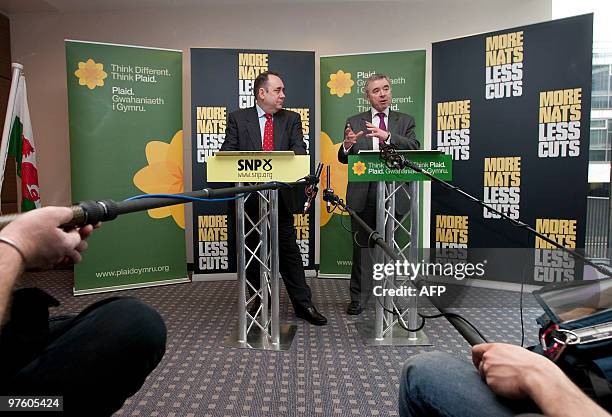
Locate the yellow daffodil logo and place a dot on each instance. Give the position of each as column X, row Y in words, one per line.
column 340, row 83
column 91, row 74
column 338, row 174
column 164, row 175
column 359, row 168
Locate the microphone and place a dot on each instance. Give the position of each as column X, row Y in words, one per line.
column 312, row 190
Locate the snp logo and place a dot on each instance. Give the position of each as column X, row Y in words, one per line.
column 254, row 164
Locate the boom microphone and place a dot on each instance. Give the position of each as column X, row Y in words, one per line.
column 313, row 189
column 93, row 212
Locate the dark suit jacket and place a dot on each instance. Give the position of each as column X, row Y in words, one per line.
column 242, row 133
column 401, row 126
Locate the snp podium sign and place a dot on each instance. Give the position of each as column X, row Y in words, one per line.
column 260, row 167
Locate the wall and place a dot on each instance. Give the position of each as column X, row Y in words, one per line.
column 325, row 27
column 9, row 183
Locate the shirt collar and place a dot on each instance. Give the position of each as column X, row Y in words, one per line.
column 375, row 112
column 260, row 112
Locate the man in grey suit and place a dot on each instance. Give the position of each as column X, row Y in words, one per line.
column 268, row 127
column 365, row 131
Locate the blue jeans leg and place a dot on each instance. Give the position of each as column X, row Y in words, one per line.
column 438, row 384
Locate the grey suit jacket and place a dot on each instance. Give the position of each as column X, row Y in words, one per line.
column 401, row 126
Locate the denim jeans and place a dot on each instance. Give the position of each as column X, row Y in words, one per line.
column 438, row 384
column 94, row 360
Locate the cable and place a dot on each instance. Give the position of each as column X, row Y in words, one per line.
column 425, row 317
column 399, row 315
column 521, row 297
column 455, row 315
column 183, row 197
column 284, row 184
column 341, row 214
column 342, row 223
column 356, row 242
column 521, row 314
column 188, row 198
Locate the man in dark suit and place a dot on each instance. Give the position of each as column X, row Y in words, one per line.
column 269, row 127
column 380, row 124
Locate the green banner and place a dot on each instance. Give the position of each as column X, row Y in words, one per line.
column 367, row 168
column 342, row 81
column 126, row 139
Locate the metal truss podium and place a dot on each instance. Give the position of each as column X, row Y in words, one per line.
column 399, row 227
column 258, row 327
column 386, row 329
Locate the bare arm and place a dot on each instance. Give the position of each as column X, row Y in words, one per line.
column 11, row 265
column 514, row 372
column 34, row 240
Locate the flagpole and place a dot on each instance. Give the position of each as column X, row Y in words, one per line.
column 10, row 111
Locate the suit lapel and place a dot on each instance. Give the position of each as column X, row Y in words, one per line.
column 279, row 137
column 254, row 130
column 393, row 118
column 367, row 116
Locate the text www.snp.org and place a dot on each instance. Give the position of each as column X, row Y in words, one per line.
column 132, row 271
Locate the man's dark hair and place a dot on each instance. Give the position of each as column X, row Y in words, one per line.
column 262, row 81
column 374, row 78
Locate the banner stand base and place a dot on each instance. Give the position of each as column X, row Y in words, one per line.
column 130, row 286
column 397, row 336
column 334, row 276
column 214, row 277
column 256, row 339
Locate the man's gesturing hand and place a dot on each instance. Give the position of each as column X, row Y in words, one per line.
column 350, row 137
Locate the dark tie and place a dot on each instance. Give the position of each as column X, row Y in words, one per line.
column 381, row 124
column 268, row 139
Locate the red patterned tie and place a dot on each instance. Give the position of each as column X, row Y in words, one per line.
column 381, row 124
column 268, row 139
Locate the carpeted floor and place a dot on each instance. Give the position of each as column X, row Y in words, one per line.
column 328, row 371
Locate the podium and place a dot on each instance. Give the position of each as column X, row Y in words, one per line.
column 394, row 184
column 260, row 329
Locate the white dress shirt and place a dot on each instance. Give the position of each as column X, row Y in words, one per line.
column 375, row 122
column 261, row 116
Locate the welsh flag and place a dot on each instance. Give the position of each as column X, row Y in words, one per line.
column 21, row 147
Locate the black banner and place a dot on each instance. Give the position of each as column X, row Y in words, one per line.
column 222, row 82
column 513, row 109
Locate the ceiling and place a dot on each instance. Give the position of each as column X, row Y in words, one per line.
column 11, row 7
